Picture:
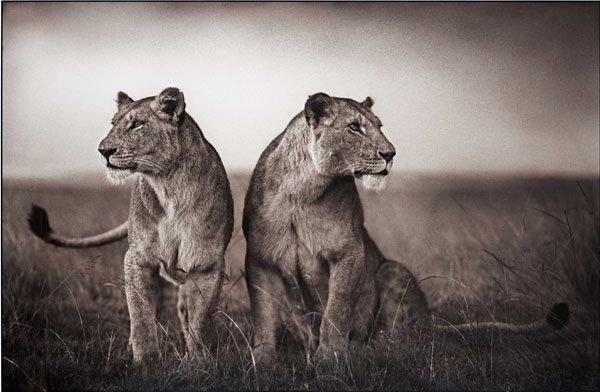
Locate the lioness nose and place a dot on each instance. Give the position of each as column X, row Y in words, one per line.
column 107, row 152
column 387, row 155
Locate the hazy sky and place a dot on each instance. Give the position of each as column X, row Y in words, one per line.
column 459, row 87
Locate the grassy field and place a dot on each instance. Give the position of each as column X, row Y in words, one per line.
column 502, row 249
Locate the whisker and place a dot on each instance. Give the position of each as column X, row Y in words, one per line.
column 147, row 162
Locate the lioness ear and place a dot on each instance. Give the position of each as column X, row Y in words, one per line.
column 316, row 108
column 368, row 102
column 169, row 102
column 122, row 100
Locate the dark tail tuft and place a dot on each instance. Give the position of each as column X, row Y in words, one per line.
column 559, row 315
column 39, row 223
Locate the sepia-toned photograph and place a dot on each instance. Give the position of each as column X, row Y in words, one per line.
column 300, row 196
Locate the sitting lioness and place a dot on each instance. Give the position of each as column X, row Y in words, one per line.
column 309, row 260
column 180, row 220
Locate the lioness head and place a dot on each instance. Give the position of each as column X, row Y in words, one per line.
column 145, row 135
column 347, row 139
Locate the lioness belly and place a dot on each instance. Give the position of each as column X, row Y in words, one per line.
column 180, row 249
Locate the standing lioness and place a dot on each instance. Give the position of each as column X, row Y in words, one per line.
column 309, row 257
column 180, row 220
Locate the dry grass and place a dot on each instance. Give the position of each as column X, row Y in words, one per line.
column 514, row 246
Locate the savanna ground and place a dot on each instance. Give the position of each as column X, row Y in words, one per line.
column 502, row 249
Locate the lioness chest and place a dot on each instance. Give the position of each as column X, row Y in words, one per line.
column 181, row 241
column 303, row 239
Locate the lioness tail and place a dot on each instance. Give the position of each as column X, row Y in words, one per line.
column 40, row 226
column 557, row 317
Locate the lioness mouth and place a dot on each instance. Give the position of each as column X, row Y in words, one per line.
column 111, row 166
column 382, row 173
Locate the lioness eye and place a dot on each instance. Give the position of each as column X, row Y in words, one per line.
column 136, row 125
column 355, row 127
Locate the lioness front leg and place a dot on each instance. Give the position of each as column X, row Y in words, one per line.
column 198, row 298
column 344, row 282
column 141, row 281
column 265, row 288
